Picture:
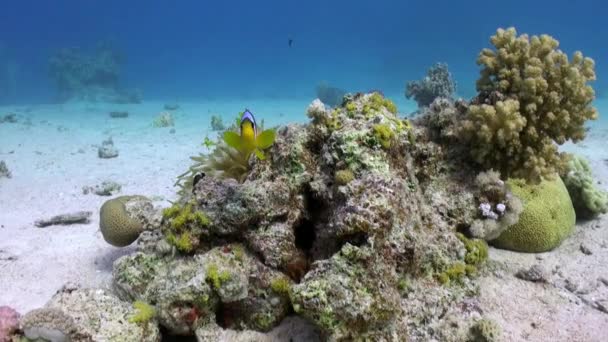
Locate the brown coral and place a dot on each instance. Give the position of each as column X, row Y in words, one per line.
column 532, row 98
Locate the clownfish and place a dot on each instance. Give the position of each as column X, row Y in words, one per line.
column 249, row 128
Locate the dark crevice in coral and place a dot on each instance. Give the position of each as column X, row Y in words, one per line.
column 356, row 239
column 223, row 315
column 305, row 235
column 166, row 336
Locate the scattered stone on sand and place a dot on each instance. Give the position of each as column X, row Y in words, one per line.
column 578, row 287
column 603, row 280
column 9, row 323
column 602, row 305
column 65, row 219
column 6, row 256
column 171, row 106
column 9, row 118
column 534, row 274
column 106, row 188
column 164, row 119
column 107, row 149
column 585, row 249
column 119, row 114
column 4, row 171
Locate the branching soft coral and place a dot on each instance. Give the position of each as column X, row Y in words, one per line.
column 532, row 98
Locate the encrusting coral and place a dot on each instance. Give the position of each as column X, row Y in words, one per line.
column 499, row 208
column 532, row 98
column 588, row 200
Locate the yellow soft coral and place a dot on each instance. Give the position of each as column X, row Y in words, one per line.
column 532, row 98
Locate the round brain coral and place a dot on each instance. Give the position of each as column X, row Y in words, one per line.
column 118, row 227
column 548, row 217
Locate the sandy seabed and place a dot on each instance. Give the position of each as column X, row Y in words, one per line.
column 52, row 153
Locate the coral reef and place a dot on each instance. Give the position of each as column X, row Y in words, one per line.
column 588, row 200
column 334, row 224
column 9, row 118
column 438, row 83
column 9, row 323
column 531, row 99
column 93, row 77
column 4, row 171
column 358, row 225
column 329, row 95
column 547, row 219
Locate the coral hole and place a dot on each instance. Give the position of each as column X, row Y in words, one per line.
column 305, row 235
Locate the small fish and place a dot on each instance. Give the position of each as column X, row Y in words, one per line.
column 249, row 129
column 290, row 42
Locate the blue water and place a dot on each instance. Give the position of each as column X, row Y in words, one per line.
column 192, row 50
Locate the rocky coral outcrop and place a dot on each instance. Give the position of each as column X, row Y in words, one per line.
column 77, row 314
column 336, row 225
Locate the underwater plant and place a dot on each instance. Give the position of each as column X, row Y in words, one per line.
column 230, row 159
column 438, row 83
column 531, row 99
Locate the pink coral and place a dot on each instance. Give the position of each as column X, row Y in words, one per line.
column 9, row 323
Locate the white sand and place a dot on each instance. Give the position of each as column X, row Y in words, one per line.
column 49, row 173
